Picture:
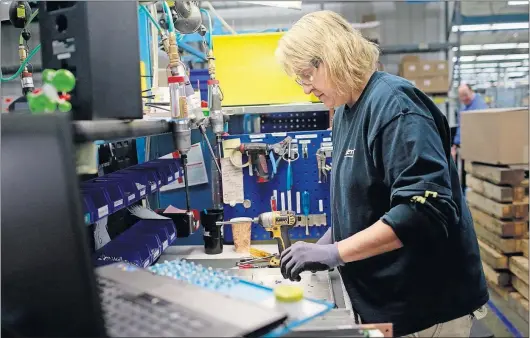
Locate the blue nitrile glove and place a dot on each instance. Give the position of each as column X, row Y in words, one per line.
column 326, row 238
column 304, row 256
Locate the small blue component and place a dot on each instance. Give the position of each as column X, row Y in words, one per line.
column 195, row 274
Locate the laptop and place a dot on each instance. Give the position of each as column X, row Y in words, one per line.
column 49, row 287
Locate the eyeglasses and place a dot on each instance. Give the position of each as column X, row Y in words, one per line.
column 307, row 80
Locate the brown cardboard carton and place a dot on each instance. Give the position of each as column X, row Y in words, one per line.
column 431, row 85
column 495, row 136
column 410, row 58
column 434, row 68
column 410, row 69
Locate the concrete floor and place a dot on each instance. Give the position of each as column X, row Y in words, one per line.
column 496, row 326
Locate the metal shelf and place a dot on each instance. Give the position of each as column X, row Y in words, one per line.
column 280, row 108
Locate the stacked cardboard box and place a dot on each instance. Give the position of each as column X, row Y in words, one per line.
column 430, row 76
column 494, row 145
column 498, row 199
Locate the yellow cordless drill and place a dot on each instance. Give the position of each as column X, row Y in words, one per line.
column 278, row 224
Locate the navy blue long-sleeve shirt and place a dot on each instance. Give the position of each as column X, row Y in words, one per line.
column 392, row 162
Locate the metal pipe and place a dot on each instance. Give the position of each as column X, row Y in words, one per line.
column 223, row 22
column 184, row 163
column 104, row 130
column 203, row 132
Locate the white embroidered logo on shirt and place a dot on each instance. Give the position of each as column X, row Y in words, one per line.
column 349, row 153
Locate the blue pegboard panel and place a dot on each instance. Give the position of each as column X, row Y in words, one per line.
column 305, row 177
column 296, row 121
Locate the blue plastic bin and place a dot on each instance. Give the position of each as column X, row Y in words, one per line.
column 165, row 172
column 113, row 190
column 161, row 232
column 142, row 177
column 153, row 173
column 174, row 165
column 121, row 251
column 138, row 239
column 88, row 209
column 130, row 192
column 167, row 225
column 132, row 180
column 101, row 202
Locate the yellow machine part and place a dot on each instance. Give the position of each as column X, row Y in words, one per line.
column 249, row 73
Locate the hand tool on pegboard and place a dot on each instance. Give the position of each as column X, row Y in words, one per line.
column 264, row 197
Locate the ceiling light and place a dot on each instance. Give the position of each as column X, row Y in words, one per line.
column 516, row 57
column 517, row 3
column 516, row 74
column 470, row 58
column 492, row 46
column 491, row 27
column 281, row 4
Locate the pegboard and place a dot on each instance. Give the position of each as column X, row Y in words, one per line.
column 305, row 177
column 296, row 121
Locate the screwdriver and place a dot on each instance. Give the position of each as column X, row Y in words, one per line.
column 305, row 210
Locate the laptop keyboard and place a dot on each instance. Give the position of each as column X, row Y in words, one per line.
column 143, row 315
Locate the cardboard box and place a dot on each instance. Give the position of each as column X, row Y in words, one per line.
column 413, row 69
column 410, row 69
column 432, row 85
column 495, row 136
column 434, row 68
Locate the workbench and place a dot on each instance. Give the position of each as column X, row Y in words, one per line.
column 325, row 285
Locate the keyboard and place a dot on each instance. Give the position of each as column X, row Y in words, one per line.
column 143, row 315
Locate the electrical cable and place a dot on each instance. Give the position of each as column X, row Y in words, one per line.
column 22, row 65
column 151, row 18
column 169, row 17
column 238, row 165
column 210, row 27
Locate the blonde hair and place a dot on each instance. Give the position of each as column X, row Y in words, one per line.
column 326, row 38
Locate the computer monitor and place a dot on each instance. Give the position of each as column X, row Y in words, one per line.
column 48, row 285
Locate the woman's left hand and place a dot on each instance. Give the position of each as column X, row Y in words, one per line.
column 304, row 256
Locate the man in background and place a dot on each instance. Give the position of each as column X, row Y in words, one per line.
column 470, row 101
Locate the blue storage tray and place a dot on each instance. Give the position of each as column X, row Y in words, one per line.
column 113, row 190
column 145, row 178
column 101, row 202
column 164, row 169
column 160, row 177
column 132, row 179
column 305, row 177
column 131, row 194
column 138, row 238
column 160, row 231
column 88, row 209
column 167, row 225
column 174, row 165
column 123, row 252
column 217, row 280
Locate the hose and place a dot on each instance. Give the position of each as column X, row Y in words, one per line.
column 21, row 68
column 150, row 16
column 32, row 16
column 210, row 27
column 169, row 17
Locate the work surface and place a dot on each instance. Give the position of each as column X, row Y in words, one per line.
column 321, row 285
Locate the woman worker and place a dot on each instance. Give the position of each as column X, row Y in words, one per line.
column 402, row 235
